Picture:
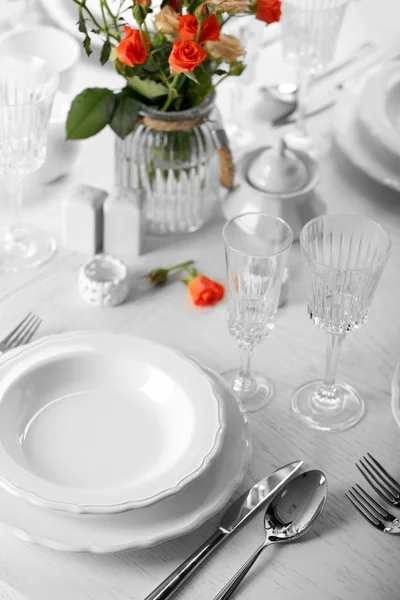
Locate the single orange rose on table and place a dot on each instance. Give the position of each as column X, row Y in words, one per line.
column 186, row 56
column 204, row 291
column 131, row 50
column 268, row 11
column 188, row 27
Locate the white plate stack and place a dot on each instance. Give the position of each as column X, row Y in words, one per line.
column 367, row 125
column 110, row 442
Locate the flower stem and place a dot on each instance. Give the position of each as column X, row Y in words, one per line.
column 182, row 266
column 171, row 92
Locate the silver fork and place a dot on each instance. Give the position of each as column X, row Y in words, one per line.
column 379, row 479
column 22, row 333
column 372, row 511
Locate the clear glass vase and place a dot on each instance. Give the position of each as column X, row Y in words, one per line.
column 173, row 158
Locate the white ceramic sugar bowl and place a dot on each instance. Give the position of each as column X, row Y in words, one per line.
column 278, row 181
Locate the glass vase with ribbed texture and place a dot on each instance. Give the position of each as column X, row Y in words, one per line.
column 171, row 156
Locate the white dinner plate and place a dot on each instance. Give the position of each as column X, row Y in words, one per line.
column 359, row 148
column 98, row 422
column 379, row 109
column 143, row 527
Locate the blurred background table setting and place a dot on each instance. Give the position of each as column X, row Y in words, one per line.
column 186, row 188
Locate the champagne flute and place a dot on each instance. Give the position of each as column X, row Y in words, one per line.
column 257, row 247
column 344, row 256
column 27, row 88
column 310, row 30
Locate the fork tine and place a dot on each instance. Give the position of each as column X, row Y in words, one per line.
column 372, row 503
column 387, row 475
column 31, row 332
column 369, row 476
column 385, row 484
column 361, row 509
column 15, row 339
column 15, row 330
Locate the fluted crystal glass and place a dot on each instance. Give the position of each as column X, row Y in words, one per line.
column 344, row 256
column 310, row 30
column 257, row 247
column 27, row 88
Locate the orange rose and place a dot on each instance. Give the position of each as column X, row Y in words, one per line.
column 186, row 56
column 268, row 11
column 131, row 51
column 188, row 25
column 204, row 291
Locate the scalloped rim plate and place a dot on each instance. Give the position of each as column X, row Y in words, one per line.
column 172, row 517
column 104, row 422
column 365, row 156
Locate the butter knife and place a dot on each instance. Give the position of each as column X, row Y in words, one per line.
column 238, row 513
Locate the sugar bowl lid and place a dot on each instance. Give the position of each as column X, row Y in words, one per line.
column 278, row 170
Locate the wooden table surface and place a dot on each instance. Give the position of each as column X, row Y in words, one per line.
column 342, row 558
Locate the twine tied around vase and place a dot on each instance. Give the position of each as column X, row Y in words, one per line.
column 227, row 168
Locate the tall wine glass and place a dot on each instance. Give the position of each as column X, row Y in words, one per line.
column 257, row 248
column 27, row 88
column 344, row 256
column 310, row 30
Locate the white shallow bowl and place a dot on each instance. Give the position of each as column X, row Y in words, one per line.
column 172, row 517
column 102, row 423
column 56, row 47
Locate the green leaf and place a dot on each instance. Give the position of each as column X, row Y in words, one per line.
column 105, row 52
column 192, row 76
column 87, row 45
column 81, row 23
column 147, row 87
column 220, row 72
column 90, row 112
column 125, row 115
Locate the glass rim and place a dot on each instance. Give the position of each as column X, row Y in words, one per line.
column 260, row 214
column 363, row 218
column 53, row 80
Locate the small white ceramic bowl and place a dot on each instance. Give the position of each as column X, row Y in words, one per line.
column 58, row 48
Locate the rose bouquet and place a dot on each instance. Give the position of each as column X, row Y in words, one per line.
column 172, row 64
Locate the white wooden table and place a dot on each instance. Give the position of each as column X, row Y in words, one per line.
column 343, row 558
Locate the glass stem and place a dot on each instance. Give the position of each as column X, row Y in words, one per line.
column 245, row 381
column 303, row 94
column 326, row 397
column 333, row 347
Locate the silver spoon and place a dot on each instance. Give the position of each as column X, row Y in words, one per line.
column 290, row 514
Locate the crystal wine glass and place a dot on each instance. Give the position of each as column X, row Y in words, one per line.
column 27, row 88
column 310, row 30
column 344, row 256
column 257, row 247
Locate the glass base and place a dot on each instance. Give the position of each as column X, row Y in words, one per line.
column 253, row 397
column 343, row 413
column 24, row 247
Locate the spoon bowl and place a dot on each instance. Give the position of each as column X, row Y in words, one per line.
column 290, row 514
